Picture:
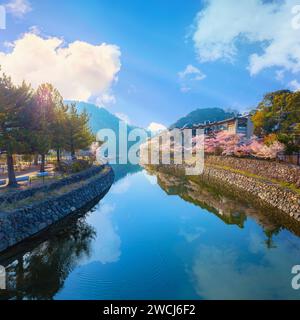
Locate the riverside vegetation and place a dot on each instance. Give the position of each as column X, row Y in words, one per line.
column 32, row 122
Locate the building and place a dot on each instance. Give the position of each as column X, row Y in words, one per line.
column 241, row 124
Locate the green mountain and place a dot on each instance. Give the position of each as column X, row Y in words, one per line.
column 100, row 118
column 202, row 115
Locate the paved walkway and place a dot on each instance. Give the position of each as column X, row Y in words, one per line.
column 31, row 172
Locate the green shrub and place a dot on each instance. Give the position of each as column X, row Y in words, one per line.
column 73, row 166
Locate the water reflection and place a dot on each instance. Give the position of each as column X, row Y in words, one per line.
column 222, row 272
column 232, row 269
column 158, row 236
column 38, row 269
column 108, row 243
column 40, row 273
column 121, row 171
column 228, row 208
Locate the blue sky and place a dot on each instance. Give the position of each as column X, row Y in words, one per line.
column 165, row 60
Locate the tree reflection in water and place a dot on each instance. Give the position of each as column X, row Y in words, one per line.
column 41, row 273
column 230, row 207
column 38, row 269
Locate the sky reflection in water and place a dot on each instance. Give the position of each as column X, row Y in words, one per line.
column 144, row 241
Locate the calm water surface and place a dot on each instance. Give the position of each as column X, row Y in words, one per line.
column 156, row 237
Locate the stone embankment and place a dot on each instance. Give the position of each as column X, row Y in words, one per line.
column 268, row 169
column 61, row 198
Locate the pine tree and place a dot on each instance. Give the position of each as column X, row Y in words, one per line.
column 14, row 121
column 60, row 129
column 78, row 134
column 44, row 115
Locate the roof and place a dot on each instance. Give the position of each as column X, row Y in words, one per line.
column 216, row 123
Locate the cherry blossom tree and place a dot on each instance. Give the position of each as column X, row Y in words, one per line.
column 230, row 144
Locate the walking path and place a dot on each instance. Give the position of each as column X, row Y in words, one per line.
column 30, row 172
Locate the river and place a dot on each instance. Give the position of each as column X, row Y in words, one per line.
column 156, row 237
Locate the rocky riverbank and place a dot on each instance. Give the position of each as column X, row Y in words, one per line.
column 61, row 199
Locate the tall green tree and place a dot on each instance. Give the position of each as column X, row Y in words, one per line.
column 60, row 129
column 78, row 133
column 14, row 121
column 47, row 101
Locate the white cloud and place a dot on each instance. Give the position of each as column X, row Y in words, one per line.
column 8, row 44
column 156, row 127
column 122, row 186
column 192, row 73
column 189, row 75
column 240, row 280
column 185, row 89
column 35, row 30
column 124, row 117
column 151, row 179
column 108, row 242
column 18, row 8
column 79, row 70
column 279, row 75
column 295, row 85
column 132, row 89
column 222, row 25
column 106, row 99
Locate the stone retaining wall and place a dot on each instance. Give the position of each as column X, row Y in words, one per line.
column 18, row 225
column 272, row 170
column 272, row 195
